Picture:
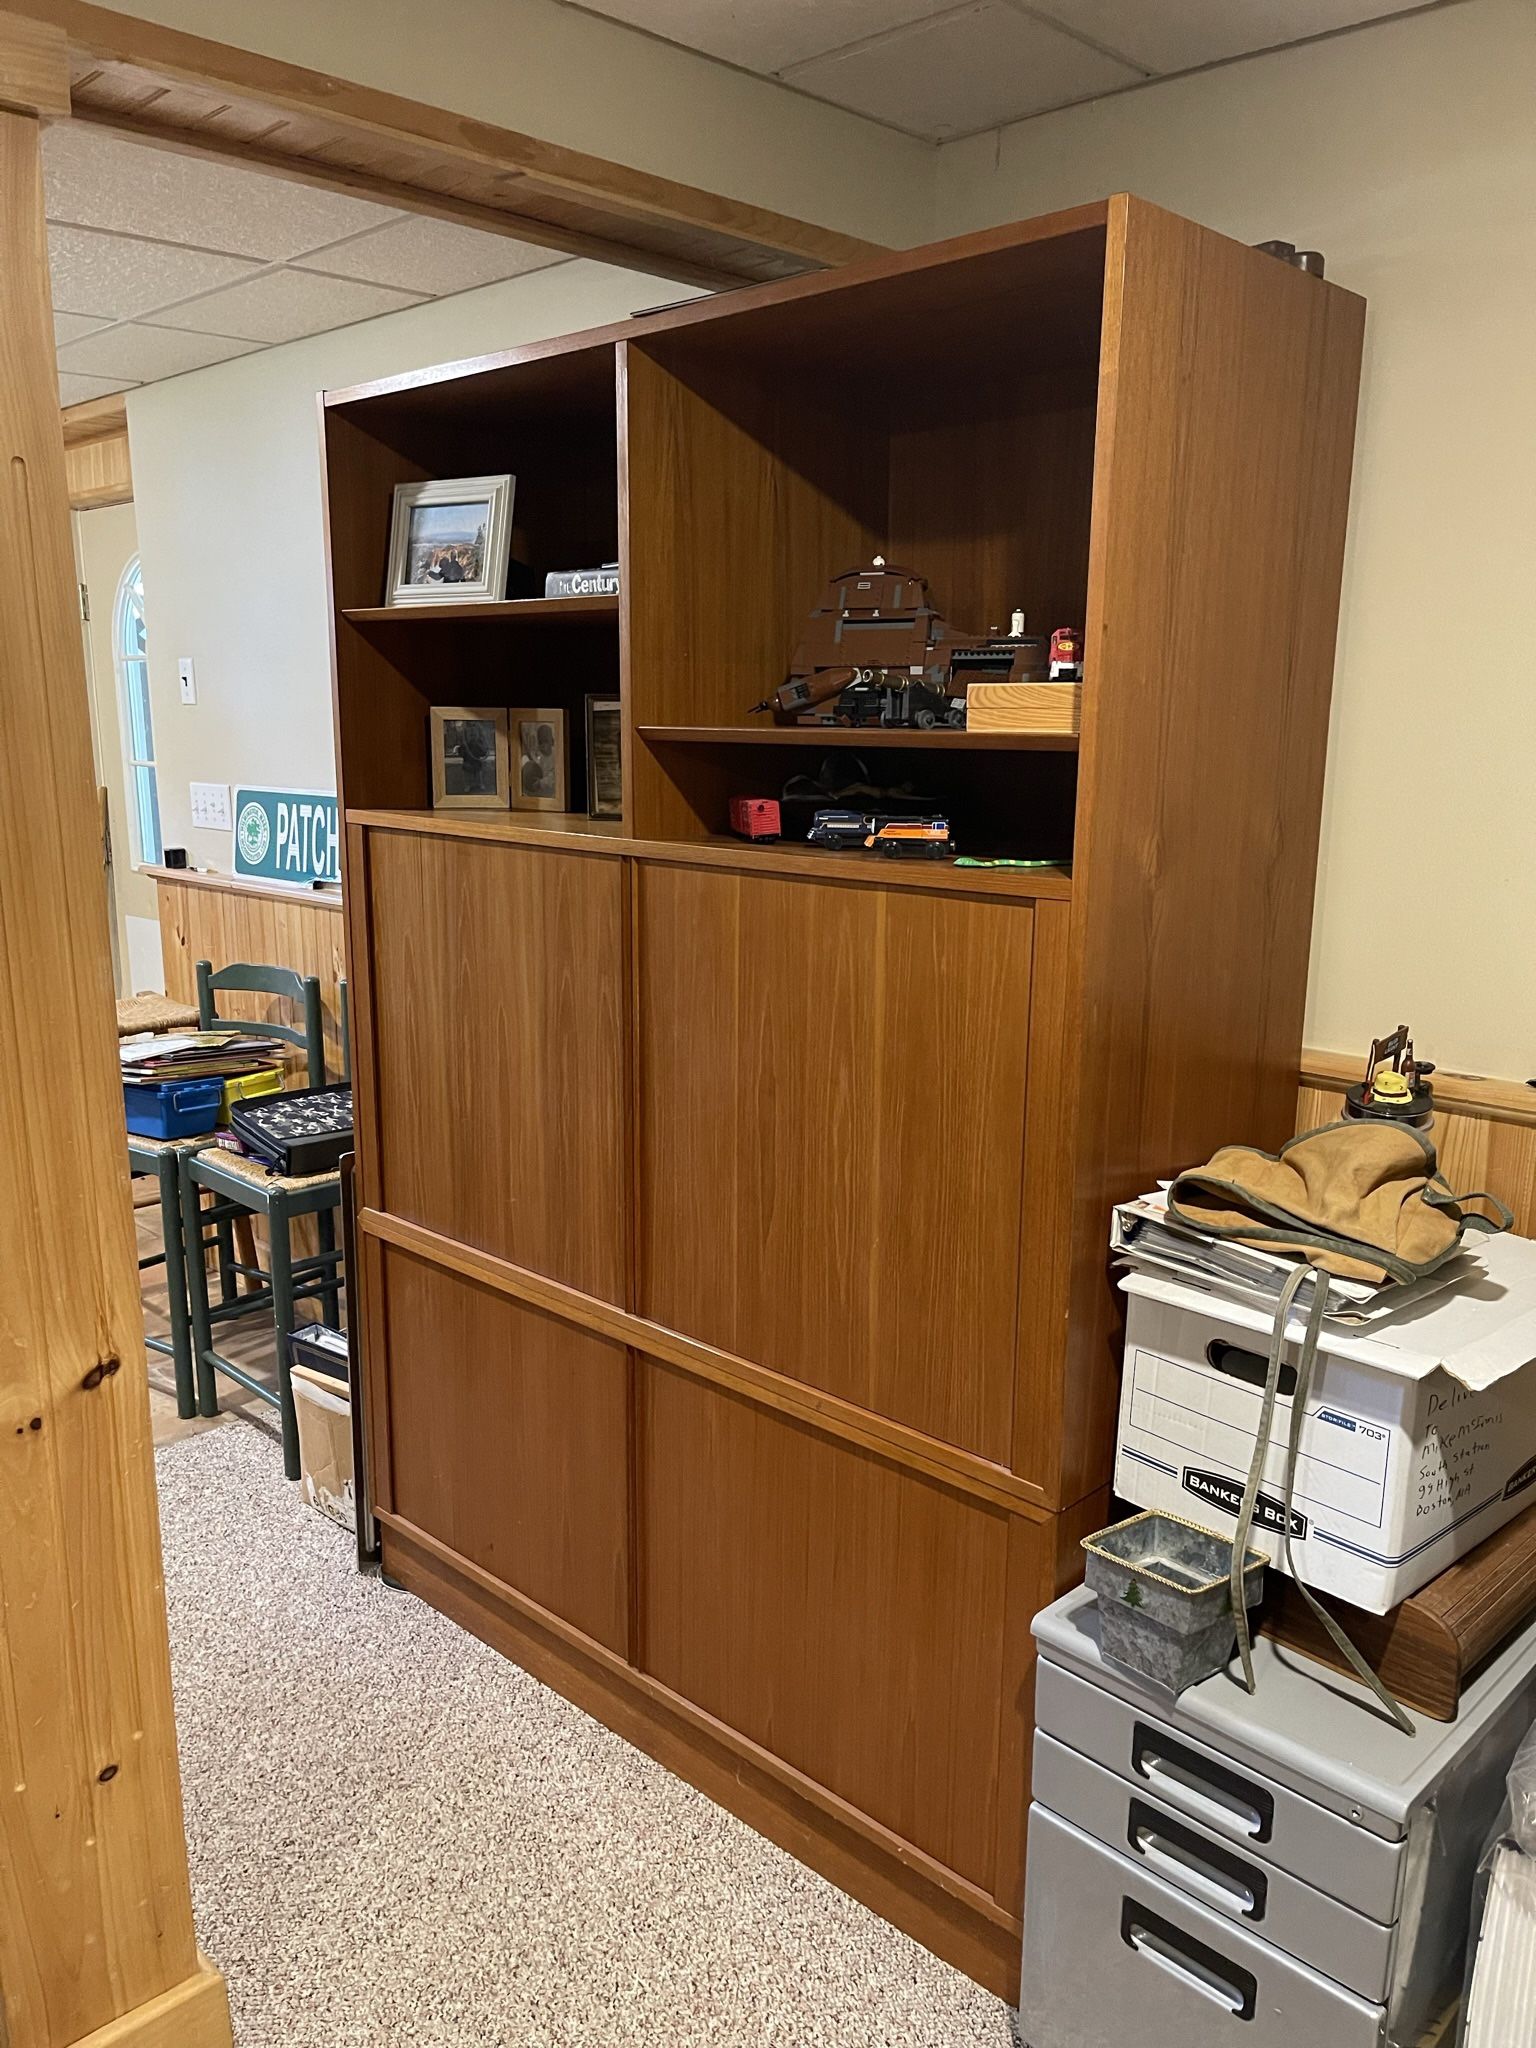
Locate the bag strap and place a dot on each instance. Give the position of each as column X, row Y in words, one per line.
column 1304, row 1369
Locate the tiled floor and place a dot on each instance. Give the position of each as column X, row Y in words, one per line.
column 249, row 1343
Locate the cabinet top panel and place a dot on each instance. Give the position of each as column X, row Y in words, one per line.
column 1058, row 259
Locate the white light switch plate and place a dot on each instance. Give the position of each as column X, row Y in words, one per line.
column 210, row 805
column 188, row 680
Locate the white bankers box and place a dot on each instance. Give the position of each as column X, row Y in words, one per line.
column 1419, row 1439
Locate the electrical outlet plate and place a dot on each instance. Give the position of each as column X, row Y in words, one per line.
column 210, row 806
column 188, row 680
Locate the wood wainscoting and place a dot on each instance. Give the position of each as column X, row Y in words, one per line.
column 214, row 917
column 1484, row 1130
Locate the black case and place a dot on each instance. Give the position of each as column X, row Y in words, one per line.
column 296, row 1134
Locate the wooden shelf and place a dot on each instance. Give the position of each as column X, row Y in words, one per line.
column 551, row 610
column 527, row 828
column 607, row 835
column 941, row 739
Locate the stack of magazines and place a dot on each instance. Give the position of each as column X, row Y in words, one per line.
column 1145, row 1237
column 195, row 1056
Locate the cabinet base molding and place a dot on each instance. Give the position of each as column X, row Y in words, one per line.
column 947, row 1916
column 192, row 2014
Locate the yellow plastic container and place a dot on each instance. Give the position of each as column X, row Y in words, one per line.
column 241, row 1087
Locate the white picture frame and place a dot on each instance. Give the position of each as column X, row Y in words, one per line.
column 449, row 540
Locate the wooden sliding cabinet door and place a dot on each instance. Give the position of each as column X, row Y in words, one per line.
column 838, row 1609
column 829, row 1166
column 508, row 1439
column 499, row 1051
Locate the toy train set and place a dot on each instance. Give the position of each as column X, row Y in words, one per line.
column 876, row 654
column 876, row 651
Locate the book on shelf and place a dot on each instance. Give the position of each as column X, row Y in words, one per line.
column 603, row 581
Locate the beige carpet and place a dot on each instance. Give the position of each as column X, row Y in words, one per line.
column 399, row 1838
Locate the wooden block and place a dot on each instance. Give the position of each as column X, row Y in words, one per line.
column 1024, row 707
column 1427, row 1648
column 34, row 67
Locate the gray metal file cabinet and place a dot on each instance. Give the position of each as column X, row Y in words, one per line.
column 1250, row 1871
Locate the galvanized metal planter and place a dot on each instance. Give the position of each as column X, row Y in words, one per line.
column 1165, row 1596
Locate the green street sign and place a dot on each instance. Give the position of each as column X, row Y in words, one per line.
column 287, row 835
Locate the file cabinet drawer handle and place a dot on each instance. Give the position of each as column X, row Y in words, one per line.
column 1210, row 1873
column 1198, row 1786
column 1190, row 1962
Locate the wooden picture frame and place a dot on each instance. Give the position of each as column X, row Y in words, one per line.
column 605, row 758
column 540, row 765
column 471, row 768
column 449, row 540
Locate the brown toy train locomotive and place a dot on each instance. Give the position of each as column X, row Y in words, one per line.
column 876, row 652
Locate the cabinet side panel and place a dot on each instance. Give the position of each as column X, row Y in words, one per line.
column 499, row 1054
column 509, row 1440
column 843, row 1613
column 1221, row 489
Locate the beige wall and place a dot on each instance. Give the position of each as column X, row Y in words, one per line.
column 226, row 468
column 1407, row 153
column 575, row 78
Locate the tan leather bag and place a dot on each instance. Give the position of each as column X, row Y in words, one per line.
column 1360, row 1198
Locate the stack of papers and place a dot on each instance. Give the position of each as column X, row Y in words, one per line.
column 1146, row 1238
column 1502, row 1998
column 195, row 1056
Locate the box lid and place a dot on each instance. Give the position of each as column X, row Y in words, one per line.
column 1479, row 1331
column 1307, row 1726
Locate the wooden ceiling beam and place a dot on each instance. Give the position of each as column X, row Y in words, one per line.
column 181, row 91
column 335, row 177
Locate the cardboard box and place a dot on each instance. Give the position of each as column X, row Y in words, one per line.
column 1419, row 1438
column 324, row 1412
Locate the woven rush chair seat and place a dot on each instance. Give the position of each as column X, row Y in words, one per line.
column 154, row 1013
column 255, row 1172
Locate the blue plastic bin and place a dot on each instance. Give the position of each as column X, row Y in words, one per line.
column 172, row 1109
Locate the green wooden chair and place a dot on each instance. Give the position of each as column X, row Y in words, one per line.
column 242, row 1187
column 162, row 1158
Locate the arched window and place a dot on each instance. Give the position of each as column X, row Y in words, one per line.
column 138, row 730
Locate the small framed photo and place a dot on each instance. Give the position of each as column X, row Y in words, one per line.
column 471, row 758
column 605, row 758
column 539, row 778
column 450, row 540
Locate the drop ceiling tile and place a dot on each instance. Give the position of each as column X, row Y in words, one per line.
column 147, row 353
column 959, row 72
column 118, row 276
column 430, row 256
column 1177, row 35
column 766, row 35
column 70, row 326
column 92, row 179
column 75, row 389
column 284, row 305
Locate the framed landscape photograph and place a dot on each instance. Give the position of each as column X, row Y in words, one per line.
column 449, row 540
column 540, row 781
column 471, row 761
column 605, row 758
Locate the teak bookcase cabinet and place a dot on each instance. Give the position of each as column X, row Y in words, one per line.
column 740, row 1352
